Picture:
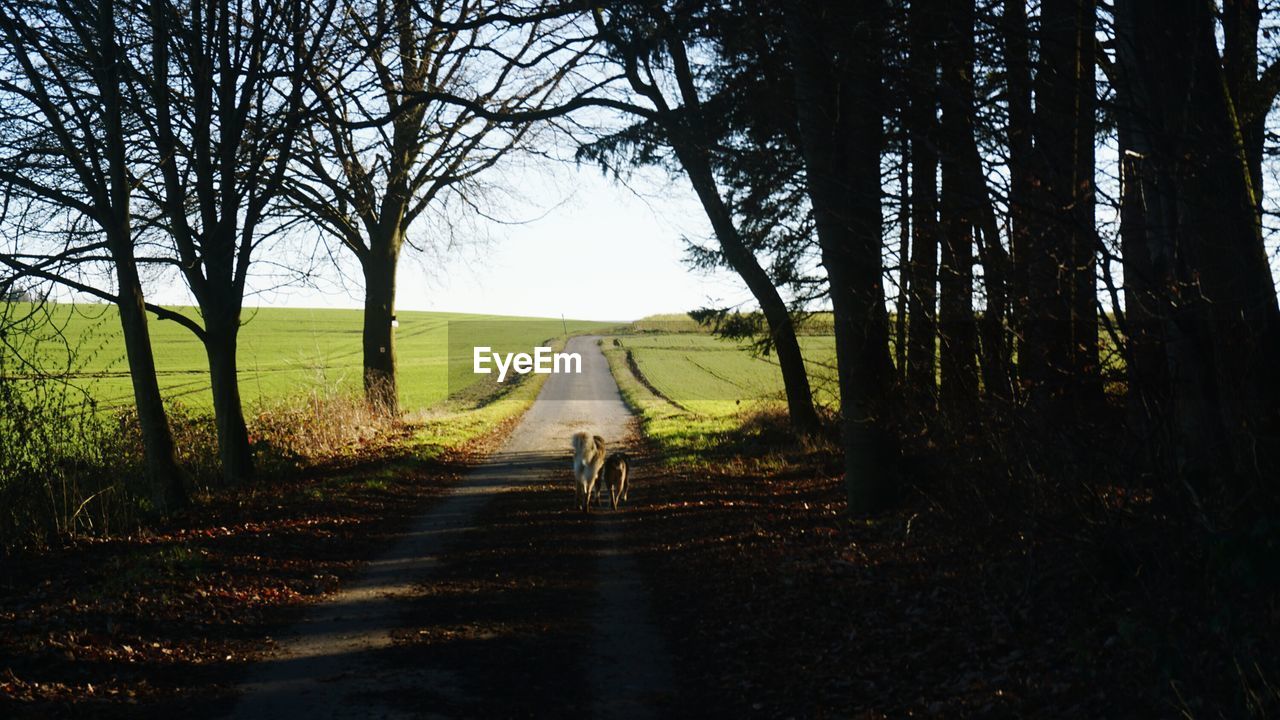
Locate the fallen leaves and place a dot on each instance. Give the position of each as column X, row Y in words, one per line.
column 782, row 609
column 174, row 613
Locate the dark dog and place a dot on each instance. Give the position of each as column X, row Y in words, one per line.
column 614, row 477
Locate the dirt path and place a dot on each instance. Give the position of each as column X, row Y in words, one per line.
column 500, row 600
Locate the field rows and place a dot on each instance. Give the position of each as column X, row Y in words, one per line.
column 709, row 376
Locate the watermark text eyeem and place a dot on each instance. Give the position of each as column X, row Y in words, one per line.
column 541, row 362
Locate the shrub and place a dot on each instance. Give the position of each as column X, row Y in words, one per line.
column 64, row 468
column 67, row 469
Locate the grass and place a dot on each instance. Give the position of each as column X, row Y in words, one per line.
column 705, row 401
column 706, row 375
column 283, row 352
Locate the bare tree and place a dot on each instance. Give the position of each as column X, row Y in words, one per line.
column 221, row 95
column 67, row 146
column 838, row 65
column 367, row 186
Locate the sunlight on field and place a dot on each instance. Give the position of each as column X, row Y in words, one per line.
column 282, row 353
column 697, row 394
column 709, row 376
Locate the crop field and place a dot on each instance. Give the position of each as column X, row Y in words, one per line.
column 282, row 352
column 290, row 352
column 710, row 376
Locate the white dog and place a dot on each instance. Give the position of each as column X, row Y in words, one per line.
column 588, row 458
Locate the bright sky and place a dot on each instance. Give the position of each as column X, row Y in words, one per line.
column 586, row 247
column 603, row 253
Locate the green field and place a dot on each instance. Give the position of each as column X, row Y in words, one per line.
column 708, row 376
column 702, row 382
column 698, row 396
column 283, row 352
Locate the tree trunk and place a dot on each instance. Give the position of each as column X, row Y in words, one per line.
column 1152, row 238
column 380, row 386
column 1222, row 322
column 904, row 253
column 1240, row 22
column 995, row 346
column 1054, row 328
column 1144, row 340
column 842, row 159
column 1222, row 246
column 233, row 437
column 921, row 121
column 1084, row 229
column 1018, row 69
column 163, row 474
column 958, row 358
column 795, row 379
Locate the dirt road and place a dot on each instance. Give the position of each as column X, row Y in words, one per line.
column 500, row 601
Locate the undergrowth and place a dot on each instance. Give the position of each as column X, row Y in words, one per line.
column 1180, row 600
column 69, row 470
